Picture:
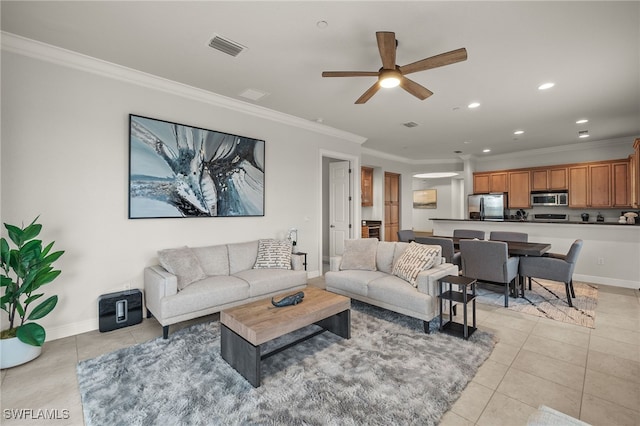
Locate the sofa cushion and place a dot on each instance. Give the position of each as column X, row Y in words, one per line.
column 242, row 256
column 274, row 254
column 359, row 254
column 398, row 292
column 265, row 281
column 182, row 263
column 214, row 260
column 414, row 259
column 351, row 281
column 400, row 248
column 384, row 256
column 203, row 294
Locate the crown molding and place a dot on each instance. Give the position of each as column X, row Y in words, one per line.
column 70, row 59
column 387, row 156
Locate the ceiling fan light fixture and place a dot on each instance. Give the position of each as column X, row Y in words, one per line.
column 389, row 78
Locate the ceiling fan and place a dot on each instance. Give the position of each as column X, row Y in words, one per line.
column 392, row 75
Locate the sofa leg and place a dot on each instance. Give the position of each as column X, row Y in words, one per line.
column 426, row 327
column 165, row 332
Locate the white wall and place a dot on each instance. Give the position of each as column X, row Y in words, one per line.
column 65, row 157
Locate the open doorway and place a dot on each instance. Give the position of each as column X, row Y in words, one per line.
column 338, row 190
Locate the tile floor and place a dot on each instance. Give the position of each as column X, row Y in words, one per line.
column 591, row 374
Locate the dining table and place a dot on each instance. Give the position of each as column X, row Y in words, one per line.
column 515, row 248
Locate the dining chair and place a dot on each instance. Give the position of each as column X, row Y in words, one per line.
column 406, row 235
column 554, row 267
column 468, row 233
column 520, row 237
column 489, row 261
column 448, row 251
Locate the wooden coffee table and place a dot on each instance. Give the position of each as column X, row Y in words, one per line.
column 244, row 329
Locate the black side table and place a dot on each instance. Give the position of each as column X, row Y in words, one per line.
column 305, row 258
column 460, row 296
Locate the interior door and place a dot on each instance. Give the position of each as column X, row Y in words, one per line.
column 339, row 206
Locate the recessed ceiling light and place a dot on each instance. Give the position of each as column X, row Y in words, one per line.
column 582, row 121
column 583, row 134
column 546, row 86
column 518, row 132
column 253, row 94
column 473, row 105
column 435, row 175
column 322, row 24
column 486, row 150
column 467, row 142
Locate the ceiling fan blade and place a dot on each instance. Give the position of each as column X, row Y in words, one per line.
column 387, row 48
column 415, row 89
column 440, row 60
column 350, row 73
column 368, row 94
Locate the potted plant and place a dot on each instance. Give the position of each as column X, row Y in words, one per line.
column 25, row 269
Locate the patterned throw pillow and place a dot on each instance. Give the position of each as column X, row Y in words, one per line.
column 416, row 258
column 182, row 263
column 274, row 254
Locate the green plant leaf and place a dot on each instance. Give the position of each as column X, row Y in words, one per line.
column 32, row 231
column 4, row 253
column 32, row 298
column 43, row 309
column 32, row 334
column 15, row 234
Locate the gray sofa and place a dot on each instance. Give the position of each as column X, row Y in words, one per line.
column 372, row 279
column 206, row 280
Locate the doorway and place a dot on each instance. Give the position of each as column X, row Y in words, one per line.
column 391, row 206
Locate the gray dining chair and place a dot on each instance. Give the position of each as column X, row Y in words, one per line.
column 406, row 235
column 468, row 233
column 520, row 237
column 489, row 261
column 554, row 267
column 448, row 251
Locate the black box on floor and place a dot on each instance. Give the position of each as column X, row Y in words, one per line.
column 120, row 309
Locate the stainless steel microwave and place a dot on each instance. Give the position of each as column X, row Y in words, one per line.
column 550, row 199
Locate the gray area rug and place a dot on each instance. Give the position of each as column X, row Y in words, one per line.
column 548, row 299
column 389, row 372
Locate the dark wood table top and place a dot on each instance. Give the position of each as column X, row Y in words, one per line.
column 517, row 248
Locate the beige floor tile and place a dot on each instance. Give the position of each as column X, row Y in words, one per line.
column 452, row 419
column 616, row 366
column 618, row 334
column 613, row 347
column 490, row 374
column 613, row 389
column 560, row 372
column 472, row 401
column 507, row 335
column 535, row 391
column 95, row 343
column 504, row 353
column 598, row 412
column 512, row 320
column 617, row 320
column 561, row 332
column 556, row 349
column 504, row 411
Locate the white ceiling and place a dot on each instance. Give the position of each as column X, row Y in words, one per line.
column 590, row 50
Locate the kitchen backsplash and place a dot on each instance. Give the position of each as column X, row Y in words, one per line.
column 610, row 215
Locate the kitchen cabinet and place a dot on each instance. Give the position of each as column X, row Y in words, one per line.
column 578, row 190
column 621, row 184
column 519, row 190
column 635, row 174
column 484, row 183
column 599, row 185
column 391, row 206
column 366, row 186
column 551, row 179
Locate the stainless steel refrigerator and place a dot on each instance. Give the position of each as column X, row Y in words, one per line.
column 487, row 206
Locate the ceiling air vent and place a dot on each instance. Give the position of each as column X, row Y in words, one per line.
column 227, row 46
column 410, row 124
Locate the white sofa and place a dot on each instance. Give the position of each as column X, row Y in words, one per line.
column 206, row 280
column 374, row 282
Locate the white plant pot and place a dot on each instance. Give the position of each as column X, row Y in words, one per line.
column 14, row 352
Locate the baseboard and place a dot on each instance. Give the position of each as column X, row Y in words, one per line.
column 55, row 333
column 614, row 282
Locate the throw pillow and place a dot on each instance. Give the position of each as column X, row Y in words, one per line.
column 182, row 263
column 273, row 254
column 416, row 258
column 359, row 254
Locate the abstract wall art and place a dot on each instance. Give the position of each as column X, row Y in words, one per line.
column 182, row 171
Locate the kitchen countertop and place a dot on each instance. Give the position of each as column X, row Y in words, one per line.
column 561, row 222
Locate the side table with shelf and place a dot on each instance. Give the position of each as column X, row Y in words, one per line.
column 462, row 296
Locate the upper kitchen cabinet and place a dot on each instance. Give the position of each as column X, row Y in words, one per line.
column 578, row 189
column 635, row 174
column 621, row 184
column 519, row 190
column 549, row 179
column 484, row 183
column 366, row 186
column 600, row 185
